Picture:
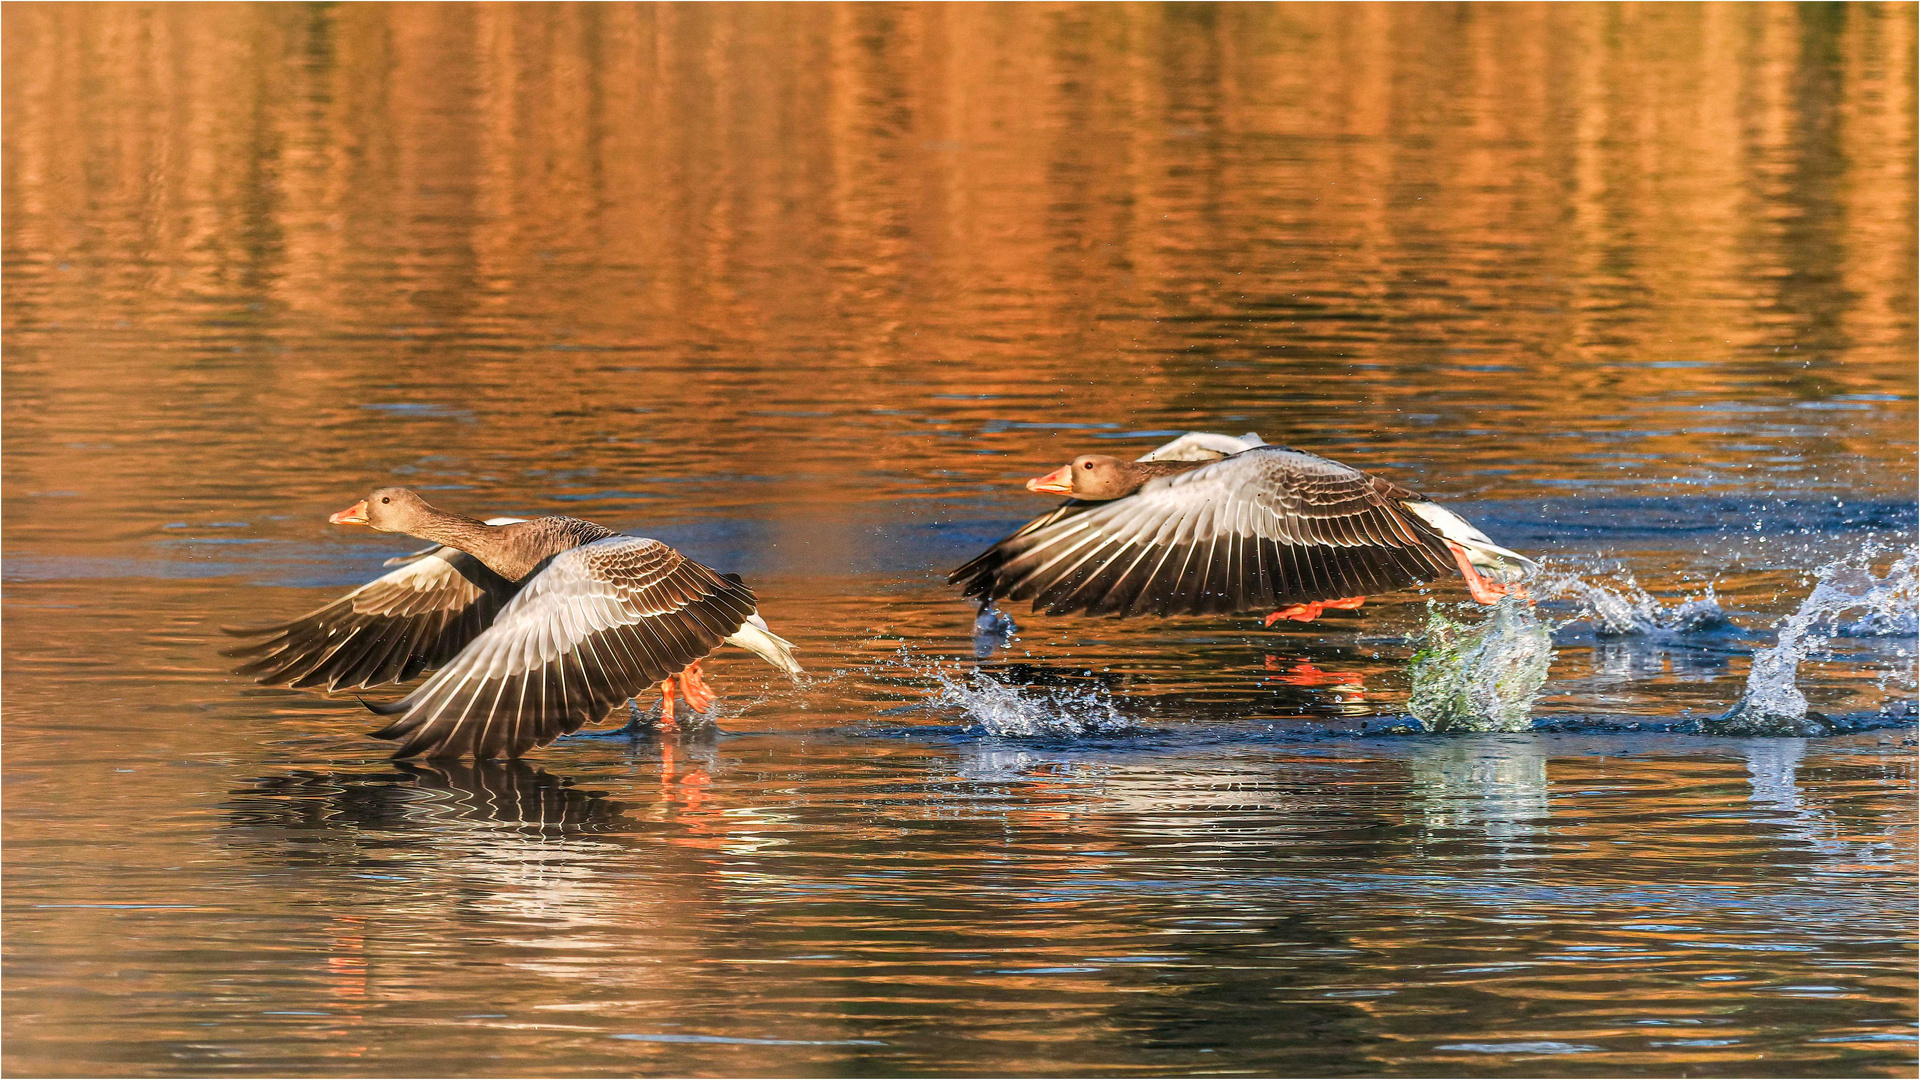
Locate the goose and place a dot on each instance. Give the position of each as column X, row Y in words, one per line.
column 536, row 627
column 1211, row 524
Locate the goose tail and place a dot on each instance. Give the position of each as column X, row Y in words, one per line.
column 756, row 638
column 1498, row 563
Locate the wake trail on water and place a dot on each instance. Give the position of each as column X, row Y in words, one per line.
column 1484, row 669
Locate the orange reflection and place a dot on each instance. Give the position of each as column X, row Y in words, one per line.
column 1303, row 673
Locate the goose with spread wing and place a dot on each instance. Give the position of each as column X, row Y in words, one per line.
column 1211, row 524
column 536, row 627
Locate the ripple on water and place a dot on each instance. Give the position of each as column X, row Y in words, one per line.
column 808, row 291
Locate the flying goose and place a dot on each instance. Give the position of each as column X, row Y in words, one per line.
column 536, row 626
column 1213, row 524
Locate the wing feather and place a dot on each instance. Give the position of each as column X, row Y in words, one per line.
column 1256, row 531
column 600, row 624
column 388, row 630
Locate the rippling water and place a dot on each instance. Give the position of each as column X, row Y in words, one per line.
column 807, row 291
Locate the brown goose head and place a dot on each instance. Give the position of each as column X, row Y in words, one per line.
column 393, row 509
column 1094, row 478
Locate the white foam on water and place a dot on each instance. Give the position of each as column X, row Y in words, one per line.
column 1623, row 609
column 1051, row 712
column 1880, row 606
column 1482, row 677
column 1002, row 709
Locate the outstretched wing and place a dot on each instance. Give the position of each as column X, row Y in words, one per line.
column 1260, row 530
column 601, row 623
column 388, row 630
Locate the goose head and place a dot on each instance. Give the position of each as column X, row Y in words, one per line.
column 1092, row 478
column 391, row 509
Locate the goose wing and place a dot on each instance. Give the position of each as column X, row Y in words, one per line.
column 1259, row 530
column 599, row 624
column 388, row 630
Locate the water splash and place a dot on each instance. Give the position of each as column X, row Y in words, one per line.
column 1003, row 709
column 1884, row 606
column 1623, row 609
column 993, row 630
column 1481, row 677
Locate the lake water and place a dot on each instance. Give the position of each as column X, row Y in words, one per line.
column 808, row 291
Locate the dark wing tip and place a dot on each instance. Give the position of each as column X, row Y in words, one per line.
column 979, row 572
column 391, row 708
column 409, row 750
column 399, row 730
column 255, row 631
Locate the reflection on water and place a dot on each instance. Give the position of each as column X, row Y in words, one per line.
column 1773, row 766
column 1497, row 788
column 808, row 290
column 441, row 795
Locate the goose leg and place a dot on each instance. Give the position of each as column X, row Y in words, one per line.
column 700, row 697
column 1483, row 591
column 1310, row 612
column 666, row 702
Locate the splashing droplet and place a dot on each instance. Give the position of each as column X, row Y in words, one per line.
column 1484, row 677
column 1006, row 710
column 1772, row 703
column 1623, row 609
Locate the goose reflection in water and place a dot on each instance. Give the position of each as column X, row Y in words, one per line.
column 501, row 861
column 1346, row 691
column 444, row 796
column 501, row 811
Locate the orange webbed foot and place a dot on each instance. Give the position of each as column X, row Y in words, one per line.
column 1482, row 590
column 700, row 697
column 1295, row 612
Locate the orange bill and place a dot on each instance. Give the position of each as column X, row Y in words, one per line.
column 1057, row 482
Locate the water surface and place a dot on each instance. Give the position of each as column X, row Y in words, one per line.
column 808, row 291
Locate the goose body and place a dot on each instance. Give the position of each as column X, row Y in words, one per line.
column 537, row 627
column 1200, row 527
